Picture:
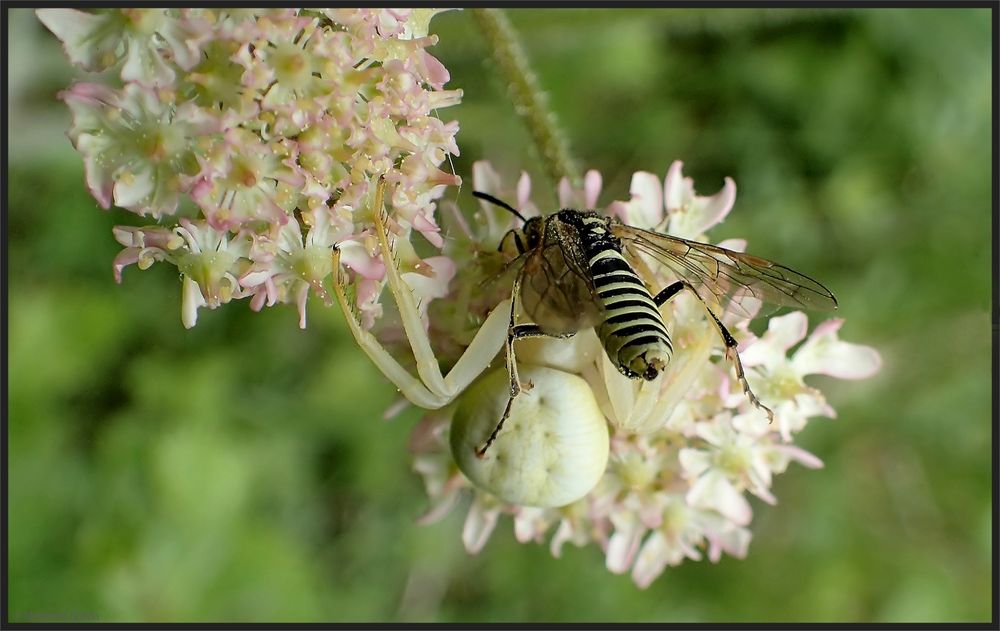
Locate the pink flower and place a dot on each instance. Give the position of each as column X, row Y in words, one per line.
column 136, row 148
column 690, row 215
column 245, row 179
column 209, row 261
column 294, row 64
column 685, row 451
column 292, row 266
column 265, row 117
column 143, row 246
column 683, row 532
column 152, row 42
column 216, row 83
column 209, row 268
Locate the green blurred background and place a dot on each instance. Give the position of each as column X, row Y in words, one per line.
column 241, row 470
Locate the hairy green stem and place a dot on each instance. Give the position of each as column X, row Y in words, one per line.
column 530, row 102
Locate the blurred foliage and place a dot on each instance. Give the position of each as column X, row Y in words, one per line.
column 242, row 470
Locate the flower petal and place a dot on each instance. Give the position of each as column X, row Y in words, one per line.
column 355, row 256
column 736, row 245
column 694, row 461
column 676, row 191
column 799, row 455
column 782, row 333
column 567, row 532
column 624, row 543
column 727, row 538
column 823, row 353
column 591, row 188
column 427, row 288
column 531, row 523
column 191, row 300
column 651, row 560
column 704, row 212
column 479, row 524
column 524, row 190
column 80, row 34
column 645, row 208
column 565, row 193
column 126, row 257
column 429, row 229
column 144, row 65
column 133, row 188
column 714, row 490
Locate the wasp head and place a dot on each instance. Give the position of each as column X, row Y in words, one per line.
column 533, row 229
column 528, row 237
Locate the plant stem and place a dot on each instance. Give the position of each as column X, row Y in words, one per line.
column 530, row 103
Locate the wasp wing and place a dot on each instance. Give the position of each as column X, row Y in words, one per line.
column 732, row 279
column 557, row 290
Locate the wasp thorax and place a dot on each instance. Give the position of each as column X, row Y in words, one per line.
column 553, row 448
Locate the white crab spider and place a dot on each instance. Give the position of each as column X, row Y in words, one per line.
column 557, row 449
column 431, row 389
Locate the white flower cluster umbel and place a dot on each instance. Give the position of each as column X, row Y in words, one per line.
column 253, row 138
column 263, row 142
column 684, row 450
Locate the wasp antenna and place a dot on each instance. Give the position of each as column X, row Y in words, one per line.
column 500, row 203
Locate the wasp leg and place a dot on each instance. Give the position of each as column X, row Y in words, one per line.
column 515, row 332
column 672, row 290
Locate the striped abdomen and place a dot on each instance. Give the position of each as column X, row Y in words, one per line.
column 633, row 332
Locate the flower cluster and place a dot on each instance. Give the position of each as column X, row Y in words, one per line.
column 685, row 449
column 253, row 138
column 258, row 140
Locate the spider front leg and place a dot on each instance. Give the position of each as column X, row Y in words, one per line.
column 731, row 353
column 431, row 390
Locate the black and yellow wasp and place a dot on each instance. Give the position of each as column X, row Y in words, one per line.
column 574, row 270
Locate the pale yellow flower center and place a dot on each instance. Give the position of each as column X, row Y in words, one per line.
column 209, row 269
column 314, row 263
column 675, row 518
column 291, row 66
column 244, row 172
column 635, row 472
column 733, row 459
column 782, row 385
column 144, row 21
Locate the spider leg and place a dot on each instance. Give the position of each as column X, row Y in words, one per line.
column 427, row 366
column 431, row 390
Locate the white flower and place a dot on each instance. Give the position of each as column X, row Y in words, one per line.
column 780, row 378
column 686, row 449
column 687, row 215
column 264, row 118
